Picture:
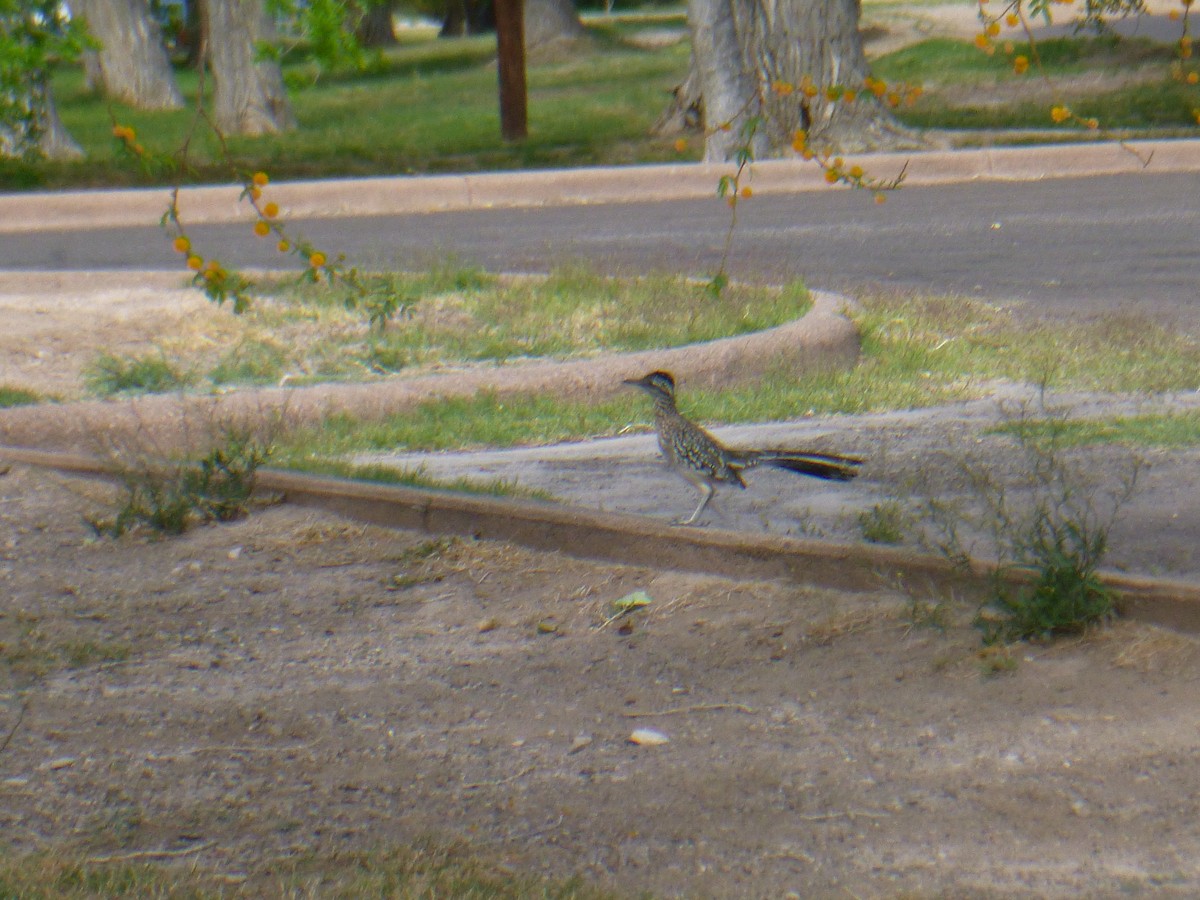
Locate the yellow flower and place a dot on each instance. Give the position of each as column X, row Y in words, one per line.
column 1193, row 77
column 880, row 198
column 747, row 193
column 1060, row 114
column 194, row 263
column 1012, row 20
column 993, row 29
column 832, row 176
column 1173, row 15
column 782, row 88
column 181, row 244
column 271, row 210
column 283, row 246
column 262, row 228
column 850, row 96
column 1021, row 65
column 317, row 259
column 1093, row 123
column 255, row 193
column 856, row 172
column 982, row 42
column 260, row 179
column 124, row 133
column 681, row 145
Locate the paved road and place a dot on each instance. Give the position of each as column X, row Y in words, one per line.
column 1071, row 246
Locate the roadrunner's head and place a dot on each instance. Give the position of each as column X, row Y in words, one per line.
column 659, row 385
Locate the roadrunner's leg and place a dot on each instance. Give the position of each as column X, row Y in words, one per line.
column 707, row 492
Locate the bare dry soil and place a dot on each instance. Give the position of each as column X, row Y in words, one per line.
column 292, row 683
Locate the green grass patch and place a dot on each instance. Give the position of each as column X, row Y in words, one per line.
column 453, row 316
column 429, row 106
column 951, row 61
column 916, row 351
column 1181, row 429
column 945, row 67
column 383, row 474
column 31, row 648
column 12, row 396
column 152, row 373
column 427, row 869
column 485, row 420
column 575, row 312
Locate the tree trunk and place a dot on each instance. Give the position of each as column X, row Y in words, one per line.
column 744, row 47
column 55, row 141
column 41, row 132
column 463, row 18
column 131, row 65
column 728, row 86
column 248, row 93
column 686, row 110
column 375, row 29
column 550, row 22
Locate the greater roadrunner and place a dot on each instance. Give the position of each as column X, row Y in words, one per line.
column 705, row 462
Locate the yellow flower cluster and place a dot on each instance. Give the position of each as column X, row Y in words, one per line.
column 128, row 137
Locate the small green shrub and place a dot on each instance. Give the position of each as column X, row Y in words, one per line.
column 11, row 396
column 884, row 523
column 251, row 362
column 1051, row 524
column 151, row 374
column 169, row 497
column 1066, row 596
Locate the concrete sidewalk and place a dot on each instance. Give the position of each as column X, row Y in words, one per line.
column 48, row 211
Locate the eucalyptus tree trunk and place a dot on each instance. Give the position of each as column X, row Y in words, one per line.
column 131, row 64
column 550, row 21
column 743, row 48
column 375, row 28
column 37, row 129
column 462, row 18
column 248, row 93
column 54, row 141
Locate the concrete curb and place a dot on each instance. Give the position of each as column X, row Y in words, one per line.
column 634, row 540
column 46, row 211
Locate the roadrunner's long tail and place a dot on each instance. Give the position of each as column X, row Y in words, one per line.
column 829, row 466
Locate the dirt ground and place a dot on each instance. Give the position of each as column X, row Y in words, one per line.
column 293, row 683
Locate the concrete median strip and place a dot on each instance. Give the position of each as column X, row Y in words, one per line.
column 822, row 339
column 638, row 541
column 334, row 198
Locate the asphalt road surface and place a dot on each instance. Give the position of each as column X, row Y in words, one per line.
column 1074, row 246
